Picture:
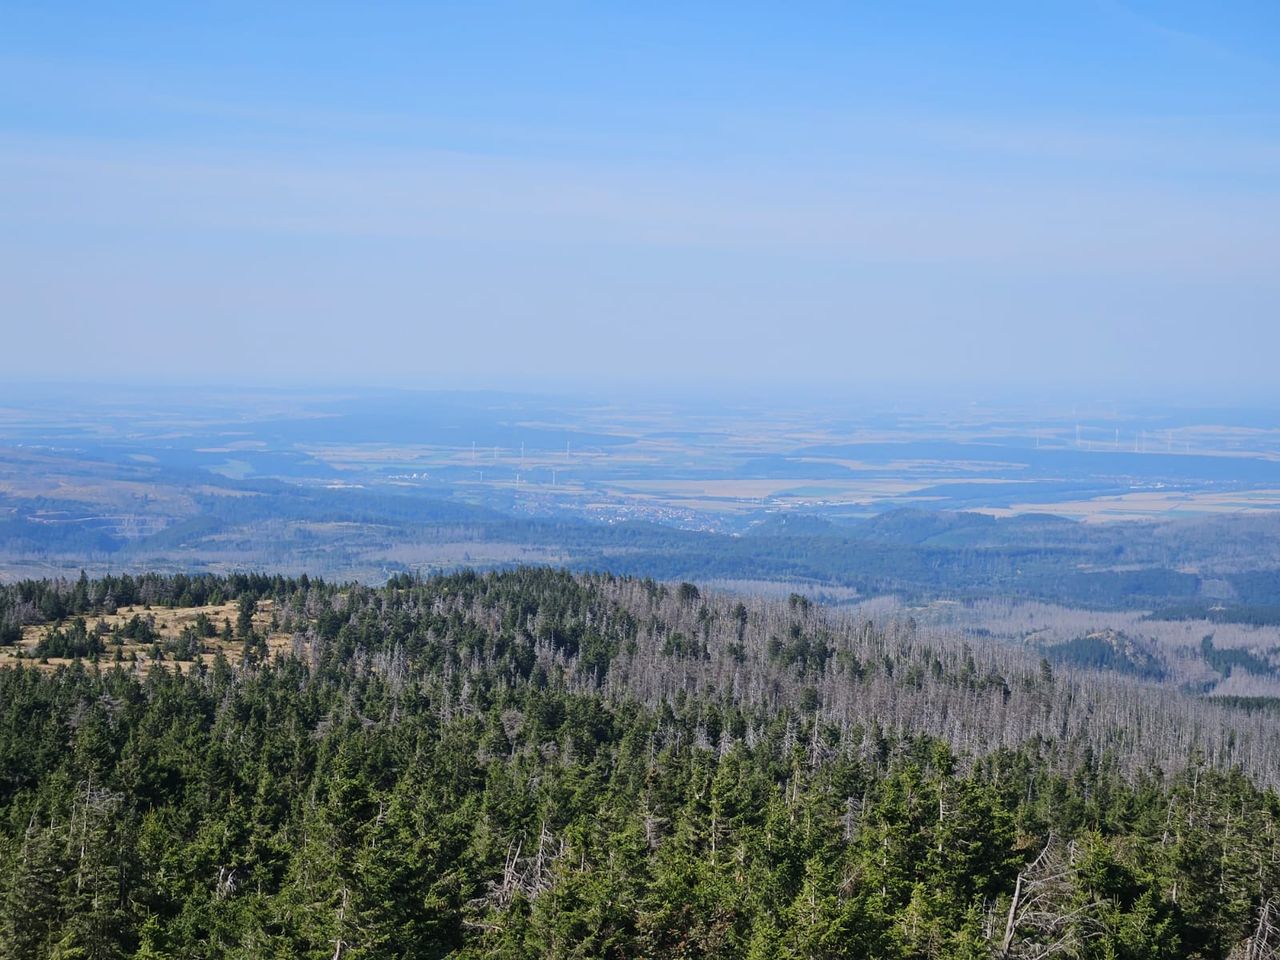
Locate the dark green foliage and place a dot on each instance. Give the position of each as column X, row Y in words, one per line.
column 139, row 629
column 471, row 767
column 1256, row 615
column 73, row 640
column 245, row 607
column 1108, row 651
column 1226, row 660
column 186, row 646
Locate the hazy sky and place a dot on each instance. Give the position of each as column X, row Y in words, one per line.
column 435, row 193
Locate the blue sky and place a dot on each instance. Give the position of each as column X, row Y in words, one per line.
column 489, row 194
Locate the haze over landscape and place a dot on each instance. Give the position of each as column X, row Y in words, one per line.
column 513, row 480
column 481, row 194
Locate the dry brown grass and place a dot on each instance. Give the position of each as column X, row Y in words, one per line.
column 169, row 623
column 1149, row 505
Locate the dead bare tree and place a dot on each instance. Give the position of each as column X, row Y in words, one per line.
column 1043, row 919
column 1264, row 942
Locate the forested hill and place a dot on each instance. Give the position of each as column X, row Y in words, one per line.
column 532, row 764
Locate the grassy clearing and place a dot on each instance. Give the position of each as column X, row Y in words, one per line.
column 1148, row 505
column 169, row 624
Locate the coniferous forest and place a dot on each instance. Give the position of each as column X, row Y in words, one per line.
column 535, row 764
